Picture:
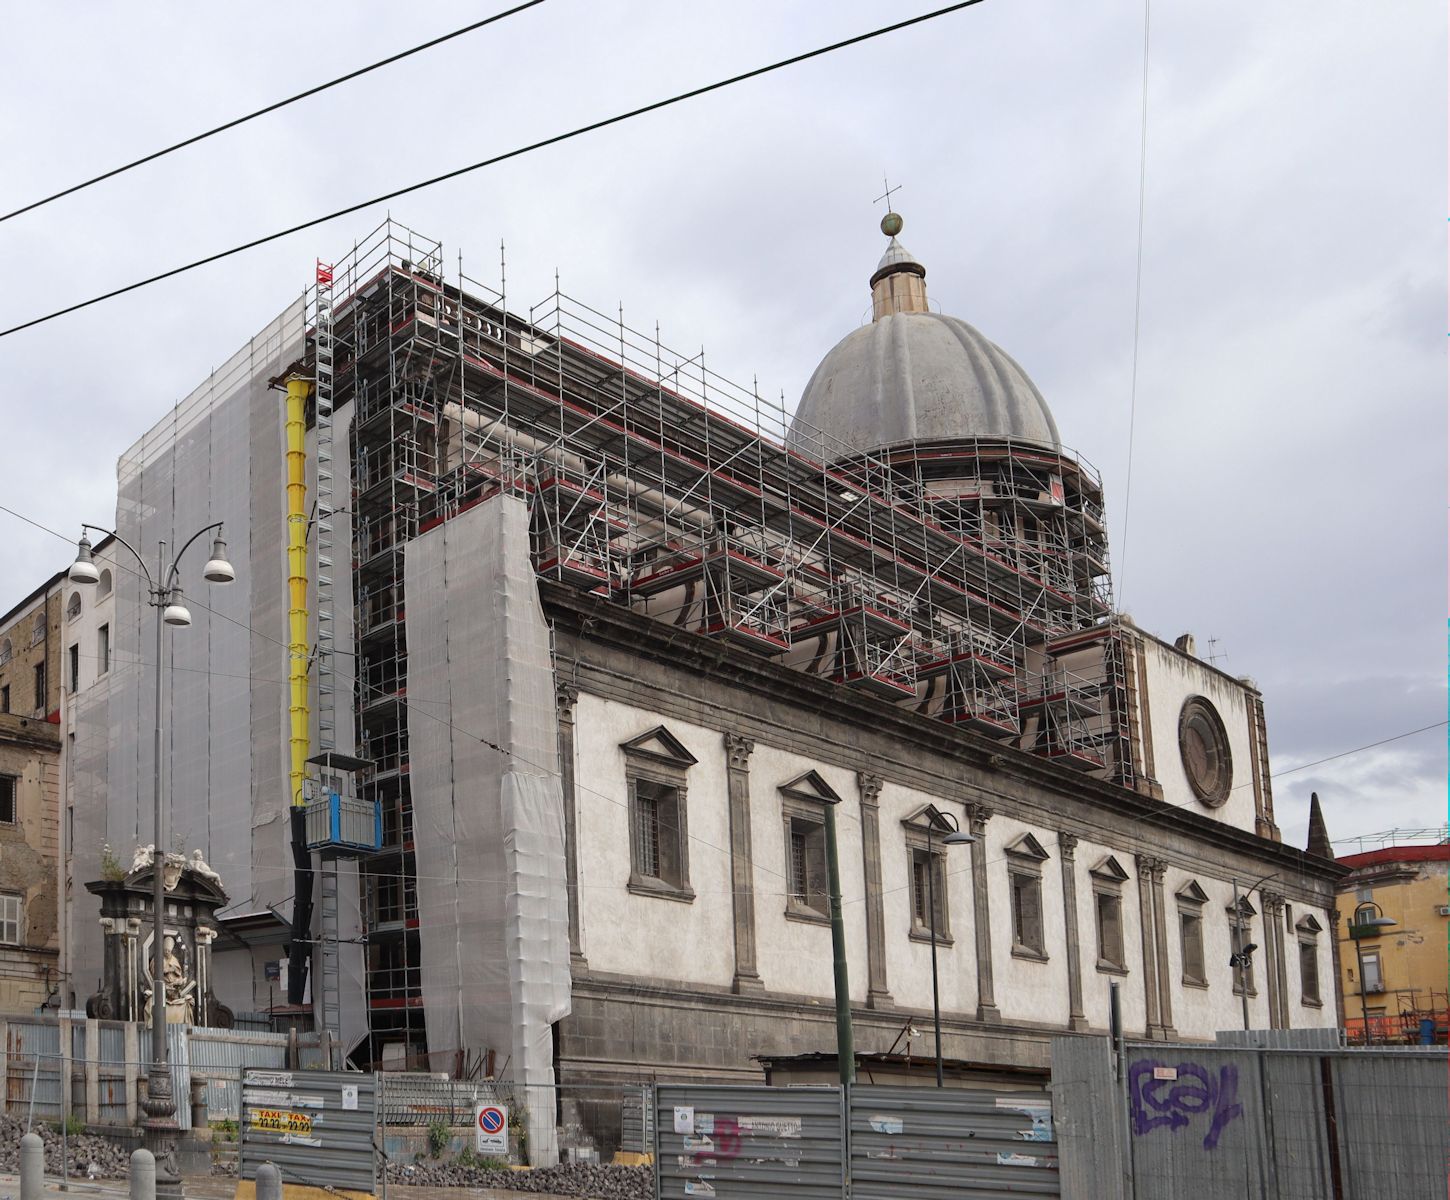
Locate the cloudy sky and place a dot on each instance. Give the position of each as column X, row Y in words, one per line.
column 1288, row 458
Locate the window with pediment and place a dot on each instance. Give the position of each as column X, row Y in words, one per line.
column 656, row 766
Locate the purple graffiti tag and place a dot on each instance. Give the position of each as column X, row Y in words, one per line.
column 1190, row 1090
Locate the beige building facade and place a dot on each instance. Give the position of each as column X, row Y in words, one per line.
column 30, row 774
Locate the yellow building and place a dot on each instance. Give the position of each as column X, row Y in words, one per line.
column 1401, row 969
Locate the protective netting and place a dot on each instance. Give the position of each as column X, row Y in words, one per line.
column 217, row 456
column 487, row 802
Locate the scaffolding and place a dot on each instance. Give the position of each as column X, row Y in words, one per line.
column 967, row 581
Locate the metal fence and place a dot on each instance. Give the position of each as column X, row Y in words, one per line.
column 317, row 1127
column 52, row 1068
column 921, row 1142
column 867, row 1141
column 1160, row 1121
column 749, row 1142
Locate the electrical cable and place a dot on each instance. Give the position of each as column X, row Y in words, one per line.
column 1137, row 314
column 555, row 140
column 270, row 108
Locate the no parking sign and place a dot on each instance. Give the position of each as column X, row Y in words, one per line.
column 491, row 1130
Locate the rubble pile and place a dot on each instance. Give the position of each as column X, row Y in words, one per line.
column 89, row 1155
column 597, row 1181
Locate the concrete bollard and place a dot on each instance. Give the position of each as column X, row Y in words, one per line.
column 143, row 1175
column 269, row 1182
column 32, row 1166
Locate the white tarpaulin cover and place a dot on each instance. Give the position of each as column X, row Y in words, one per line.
column 488, row 806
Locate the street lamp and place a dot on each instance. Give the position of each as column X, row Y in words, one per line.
column 165, row 596
column 1359, row 929
column 955, row 836
column 1242, row 958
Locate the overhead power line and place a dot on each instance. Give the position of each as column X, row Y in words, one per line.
column 579, row 131
column 270, row 108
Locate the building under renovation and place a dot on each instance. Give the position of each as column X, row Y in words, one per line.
column 550, row 647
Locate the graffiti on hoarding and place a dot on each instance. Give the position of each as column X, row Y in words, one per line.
column 1163, row 1096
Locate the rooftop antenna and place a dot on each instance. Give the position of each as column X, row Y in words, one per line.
column 1214, row 657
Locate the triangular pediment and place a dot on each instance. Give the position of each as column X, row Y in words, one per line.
column 662, row 746
column 929, row 816
column 1244, row 907
column 1109, row 869
column 1191, row 893
column 810, row 787
column 1028, row 846
column 1307, row 924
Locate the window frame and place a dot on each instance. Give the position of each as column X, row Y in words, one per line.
column 1025, row 857
column 103, row 649
column 1108, row 878
column 914, row 831
column 13, row 782
column 1250, row 982
column 658, row 759
column 73, row 661
column 4, row 698
column 1368, row 957
column 6, row 900
column 41, row 686
column 1190, row 900
column 73, row 608
column 815, row 905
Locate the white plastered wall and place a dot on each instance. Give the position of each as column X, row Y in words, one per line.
column 908, row 960
column 1171, row 677
column 794, row 956
column 644, row 935
column 1027, row 990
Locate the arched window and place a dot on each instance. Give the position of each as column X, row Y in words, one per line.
column 73, row 608
column 37, row 634
column 103, row 585
column 6, row 651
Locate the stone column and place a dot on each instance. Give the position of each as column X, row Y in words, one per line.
column 1334, row 915
column 977, row 816
column 1160, row 942
column 1150, row 944
column 742, row 868
column 1067, row 846
column 877, row 995
column 565, row 697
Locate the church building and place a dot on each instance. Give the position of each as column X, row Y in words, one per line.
column 602, row 637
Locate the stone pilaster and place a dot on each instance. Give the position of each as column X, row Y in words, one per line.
column 1146, row 928
column 1157, row 868
column 1067, row 848
column 742, row 867
column 565, row 697
column 877, row 995
column 977, row 816
column 1275, row 967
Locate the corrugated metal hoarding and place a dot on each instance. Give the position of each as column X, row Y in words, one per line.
column 316, row 1126
column 909, row 1142
column 1244, row 1123
column 749, row 1142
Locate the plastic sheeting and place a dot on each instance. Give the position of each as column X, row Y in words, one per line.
column 488, row 806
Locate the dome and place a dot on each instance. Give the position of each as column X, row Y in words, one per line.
column 913, row 375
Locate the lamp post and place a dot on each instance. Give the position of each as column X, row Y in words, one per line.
column 936, row 819
column 1359, row 929
column 164, row 594
column 1242, row 958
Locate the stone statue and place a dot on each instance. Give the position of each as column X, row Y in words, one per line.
column 199, row 866
column 180, row 992
column 145, row 856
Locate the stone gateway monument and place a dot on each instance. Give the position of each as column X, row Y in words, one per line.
column 194, row 893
